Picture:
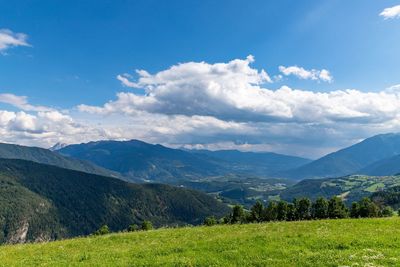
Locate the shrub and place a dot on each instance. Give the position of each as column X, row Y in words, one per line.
column 210, row 221
column 387, row 212
column 133, row 228
column 104, row 230
column 147, row 225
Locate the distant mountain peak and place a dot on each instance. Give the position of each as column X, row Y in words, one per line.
column 351, row 160
column 58, row 146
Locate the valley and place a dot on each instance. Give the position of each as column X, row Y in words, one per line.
column 48, row 195
column 199, row 133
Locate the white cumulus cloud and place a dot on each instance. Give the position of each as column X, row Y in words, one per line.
column 220, row 105
column 234, row 92
column 10, row 39
column 391, row 12
column 301, row 73
column 20, row 102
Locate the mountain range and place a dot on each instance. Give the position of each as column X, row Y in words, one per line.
column 73, row 190
column 373, row 156
column 263, row 164
column 378, row 155
column 136, row 159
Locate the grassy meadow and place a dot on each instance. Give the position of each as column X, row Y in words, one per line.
column 347, row 242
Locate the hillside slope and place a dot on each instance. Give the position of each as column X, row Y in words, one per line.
column 350, row 160
column 350, row 242
column 350, row 188
column 43, row 202
column 264, row 164
column 45, row 156
column 387, row 166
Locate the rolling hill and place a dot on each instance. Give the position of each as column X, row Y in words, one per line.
column 240, row 189
column 45, row 156
column 350, row 188
column 346, row 242
column 42, row 202
column 350, row 160
column 388, row 197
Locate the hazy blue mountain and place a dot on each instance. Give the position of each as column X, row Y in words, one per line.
column 350, row 160
column 138, row 159
column 44, row 202
column 45, row 156
column 257, row 163
column 388, row 166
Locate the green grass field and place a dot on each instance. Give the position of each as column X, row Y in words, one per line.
column 350, row 242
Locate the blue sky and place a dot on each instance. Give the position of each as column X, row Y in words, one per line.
column 75, row 50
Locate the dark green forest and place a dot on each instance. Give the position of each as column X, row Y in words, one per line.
column 46, row 202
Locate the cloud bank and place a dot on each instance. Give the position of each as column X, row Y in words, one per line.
column 235, row 92
column 219, row 105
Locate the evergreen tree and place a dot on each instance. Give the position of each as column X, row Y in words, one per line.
column 303, row 209
column 237, row 214
column 271, row 211
column 367, row 208
column 336, row 208
column 282, row 211
column 355, row 210
column 291, row 212
column 256, row 212
column 320, row 208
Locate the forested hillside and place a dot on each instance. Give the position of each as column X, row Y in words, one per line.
column 43, row 202
column 349, row 188
column 45, row 156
